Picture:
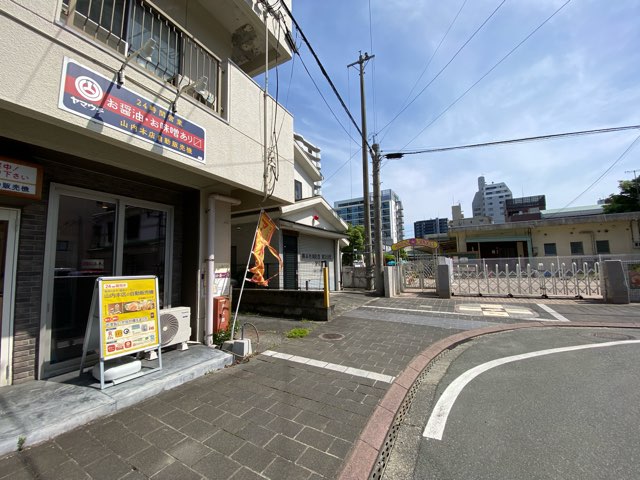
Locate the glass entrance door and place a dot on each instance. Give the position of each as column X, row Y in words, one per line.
column 90, row 235
column 84, row 252
column 8, row 254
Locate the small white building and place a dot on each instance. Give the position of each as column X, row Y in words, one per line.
column 310, row 236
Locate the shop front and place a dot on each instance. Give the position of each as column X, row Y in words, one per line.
column 87, row 221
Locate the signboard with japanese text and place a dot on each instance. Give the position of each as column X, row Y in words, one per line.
column 128, row 311
column 222, row 280
column 316, row 256
column 101, row 100
column 20, row 179
column 414, row 242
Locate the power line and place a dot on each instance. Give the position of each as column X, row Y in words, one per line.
column 342, row 166
column 324, row 72
column 553, row 136
column 624, row 154
column 426, row 66
column 324, row 99
column 373, row 76
column 489, row 71
column 446, row 65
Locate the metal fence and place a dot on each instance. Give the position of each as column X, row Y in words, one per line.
column 576, row 276
column 419, row 272
column 310, row 276
column 632, row 272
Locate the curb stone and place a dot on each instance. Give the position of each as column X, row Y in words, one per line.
column 365, row 453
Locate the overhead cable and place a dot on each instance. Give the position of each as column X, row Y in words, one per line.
column 553, row 136
column 446, row 65
column 324, row 72
column 325, row 100
column 489, row 71
column 624, row 154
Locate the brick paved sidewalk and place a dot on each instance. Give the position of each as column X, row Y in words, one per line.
column 294, row 415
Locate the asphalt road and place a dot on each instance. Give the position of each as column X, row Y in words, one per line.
column 559, row 415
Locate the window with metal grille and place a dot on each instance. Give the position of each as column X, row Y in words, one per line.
column 550, row 249
column 577, row 248
column 602, row 246
column 126, row 25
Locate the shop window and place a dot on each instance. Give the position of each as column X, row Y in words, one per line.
column 577, row 248
column 144, row 250
column 602, row 247
column 550, row 249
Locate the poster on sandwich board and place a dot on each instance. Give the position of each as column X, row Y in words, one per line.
column 124, row 320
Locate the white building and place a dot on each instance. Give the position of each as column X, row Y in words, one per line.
column 130, row 131
column 352, row 211
column 490, row 199
column 310, row 234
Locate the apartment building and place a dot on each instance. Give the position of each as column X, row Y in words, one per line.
column 352, row 211
column 431, row 227
column 490, row 200
column 130, row 131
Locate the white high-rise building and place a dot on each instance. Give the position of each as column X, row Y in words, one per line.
column 490, row 200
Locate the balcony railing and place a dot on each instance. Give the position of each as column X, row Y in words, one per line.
column 125, row 25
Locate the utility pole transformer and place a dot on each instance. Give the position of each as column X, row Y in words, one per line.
column 377, row 221
column 362, row 59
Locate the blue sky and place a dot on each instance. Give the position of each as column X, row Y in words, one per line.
column 579, row 71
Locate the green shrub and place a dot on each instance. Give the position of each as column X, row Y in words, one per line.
column 298, row 333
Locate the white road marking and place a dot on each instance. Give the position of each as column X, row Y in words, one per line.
column 438, row 419
column 555, row 314
column 532, row 319
column 398, row 308
column 358, row 372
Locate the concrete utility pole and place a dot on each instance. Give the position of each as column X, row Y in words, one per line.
column 362, row 59
column 377, row 221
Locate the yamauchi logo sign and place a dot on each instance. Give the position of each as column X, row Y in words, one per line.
column 89, row 89
column 88, row 94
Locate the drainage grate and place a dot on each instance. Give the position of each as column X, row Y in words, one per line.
column 392, row 435
column 331, row 336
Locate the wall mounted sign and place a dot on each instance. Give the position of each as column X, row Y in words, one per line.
column 101, row 100
column 222, row 280
column 316, row 256
column 20, row 179
column 414, row 242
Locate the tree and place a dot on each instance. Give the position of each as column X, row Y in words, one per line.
column 354, row 250
column 628, row 200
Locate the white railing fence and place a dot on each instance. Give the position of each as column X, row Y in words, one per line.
column 574, row 276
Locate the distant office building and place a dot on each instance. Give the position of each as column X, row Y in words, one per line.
column 352, row 211
column 525, row 208
column 490, row 200
column 458, row 219
column 429, row 228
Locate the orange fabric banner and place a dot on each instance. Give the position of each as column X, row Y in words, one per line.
column 264, row 232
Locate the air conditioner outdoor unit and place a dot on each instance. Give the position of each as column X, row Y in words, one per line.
column 175, row 326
